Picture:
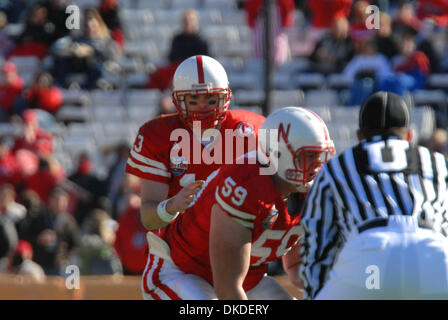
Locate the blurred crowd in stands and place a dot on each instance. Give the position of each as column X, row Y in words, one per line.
column 50, row 218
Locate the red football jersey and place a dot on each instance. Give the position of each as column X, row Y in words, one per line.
column 250, row 199
column 163, row 153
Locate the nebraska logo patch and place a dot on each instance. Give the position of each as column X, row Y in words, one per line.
column 245, row 129
column 269, row 221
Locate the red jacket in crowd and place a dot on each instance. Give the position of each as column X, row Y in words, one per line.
column 9, row 169
column 162, row 78
column 42, row 182
column 43, row 143
column 326, row 11
column 418, row 61
column 435, row 9
column 253, row 8
column 48, row 99
column 36, row 49
column 130, row 241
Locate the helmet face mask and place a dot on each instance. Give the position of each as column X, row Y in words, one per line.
column 308, row 161
column 196, row 76
column 209, row 117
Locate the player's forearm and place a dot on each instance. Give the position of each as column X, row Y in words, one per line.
column 230, row 292
column 293, row 276
column 149, row 216
column 291, row 263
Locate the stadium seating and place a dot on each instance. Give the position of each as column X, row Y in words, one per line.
column 14, row 29
column 149, row 26
column 153, row 4
column 422, row 97
column 184, row 4
column 26, row 64
column 222, row 34
column 232, row 64
column 438, row 81
column 248, row 97
column 10, row 129
column 136, row 80
column 137, row 17
column 294, row 66
column 70, row 113
column 146, row 50
column 106, row 113
column 321, row 97
column 220, row 4
column 74, row 146
column 338, row 82
column 307, row 81
column 285, row 98
column 87, row 3
column 75, row 97
column 84, row 130
column 148, row 98
column 232, row 17
column 103, row 98
column 344, row 114
column 244, row 80
column 239, row 49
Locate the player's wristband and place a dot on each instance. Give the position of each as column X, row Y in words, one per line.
column 163, row 214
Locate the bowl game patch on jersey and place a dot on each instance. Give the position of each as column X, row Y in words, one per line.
column 178, row 165
column 269, row 221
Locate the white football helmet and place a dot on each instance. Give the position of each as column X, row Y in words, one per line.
column 201, row 75
column 297, row 143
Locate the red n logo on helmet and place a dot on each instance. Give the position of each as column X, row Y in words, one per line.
column 200, row 69
column 281, row 132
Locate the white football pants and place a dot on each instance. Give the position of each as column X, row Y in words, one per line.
column 163, row 280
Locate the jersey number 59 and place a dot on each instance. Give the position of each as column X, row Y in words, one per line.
column 238, row 193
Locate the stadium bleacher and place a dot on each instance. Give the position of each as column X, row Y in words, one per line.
column 149, row 26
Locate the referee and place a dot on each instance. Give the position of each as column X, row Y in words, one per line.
column 375, row 219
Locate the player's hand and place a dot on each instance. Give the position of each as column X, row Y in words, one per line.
column 182, row 200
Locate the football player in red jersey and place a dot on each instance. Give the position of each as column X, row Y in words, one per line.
column 222, row 245
column 170, row 177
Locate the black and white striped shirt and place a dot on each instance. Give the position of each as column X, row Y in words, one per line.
column 371, row 181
